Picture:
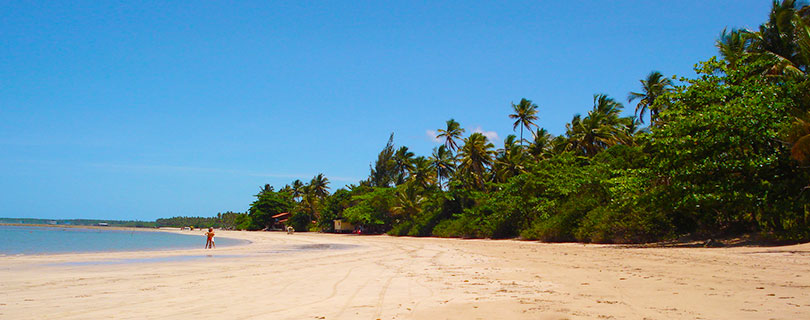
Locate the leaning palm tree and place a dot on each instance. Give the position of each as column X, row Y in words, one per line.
column 653, row 87
column 525, row 115
column 451, row 134
column 319, row 186
column 443, row 162
column 476, row 157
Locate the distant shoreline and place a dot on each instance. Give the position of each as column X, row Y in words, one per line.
column 79, row 226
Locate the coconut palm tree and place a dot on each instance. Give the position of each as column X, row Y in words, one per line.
column 631, row 128
column 653, row 87
column 780, row 39
column 541, row 144
column 297, row 189
column 265, row 189
column 421, row 173
column 600, row 129
column 733, row 45
column 443, row 162
column 525, row 115
column 451, row 134
column 509, row 161
column 407, row 201
column 403, row 163
column 319, row 186
column 476, row 157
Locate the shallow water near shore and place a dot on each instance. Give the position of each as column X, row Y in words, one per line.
column 286, row 249
column 49, row 240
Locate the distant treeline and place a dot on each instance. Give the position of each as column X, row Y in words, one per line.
column 80, row 222
column 227, row 220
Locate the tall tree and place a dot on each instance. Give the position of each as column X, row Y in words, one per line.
column 733, row 45
column 541, row 144
column 509, row 161
column 653, row 87
column 421, row 173
column 384, row 171
column 319, row 186
column 407, row 202
column 264, row 189
column 600, row 129
column 476, row 157
column 780, row 39
column 297, row 189
column 524, row 116
column 403, row 164
column 451, row 134
column 443, row 162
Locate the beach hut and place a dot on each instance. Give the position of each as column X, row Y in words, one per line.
column 280, row 221
column 342, row 226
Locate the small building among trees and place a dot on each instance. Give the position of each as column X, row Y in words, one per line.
column 280, row 221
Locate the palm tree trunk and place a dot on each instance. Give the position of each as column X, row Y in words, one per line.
column 521, row 137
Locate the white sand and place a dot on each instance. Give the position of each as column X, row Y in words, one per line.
column 383, row 277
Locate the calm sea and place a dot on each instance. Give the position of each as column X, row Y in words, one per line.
column 35, row 240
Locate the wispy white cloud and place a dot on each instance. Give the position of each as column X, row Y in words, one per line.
column 433, row 135
column 491, row 135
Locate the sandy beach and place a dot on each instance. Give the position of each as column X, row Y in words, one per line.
column 324, row 276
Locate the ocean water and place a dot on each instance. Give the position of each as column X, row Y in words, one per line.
column 39, row 240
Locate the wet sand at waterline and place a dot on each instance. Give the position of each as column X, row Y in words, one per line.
column 323, row 276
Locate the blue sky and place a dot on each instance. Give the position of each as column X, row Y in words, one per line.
column 140, row 110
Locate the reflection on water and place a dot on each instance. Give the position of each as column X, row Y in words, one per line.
column 183, row 258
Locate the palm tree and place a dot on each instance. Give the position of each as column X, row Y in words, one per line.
column 652, row 88
column 309, row 201
column 509, row 161
column 784, row 39
column 525, row 115
column 733, row 45
column 407, row 201
column 541, row 144
column 265, row 189
column 403, row 160
column 443, row 162
column 297, row 189
column 452, row 133
column 600, row 129
column 319, row 186
column 421, row 174
column 476, row 157
column 631, row 128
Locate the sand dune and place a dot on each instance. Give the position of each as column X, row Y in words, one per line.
column 321, row 276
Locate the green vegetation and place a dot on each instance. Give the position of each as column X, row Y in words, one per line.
column 722, row 154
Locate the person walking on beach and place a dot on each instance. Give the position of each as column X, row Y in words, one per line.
column 209, row 244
